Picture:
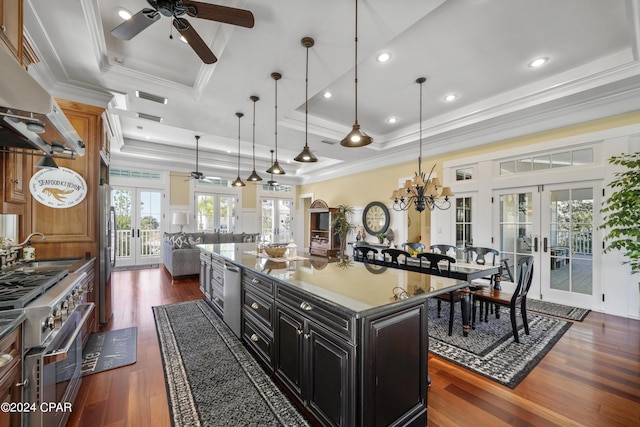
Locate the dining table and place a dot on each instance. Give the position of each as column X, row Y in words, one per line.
column 458, row 270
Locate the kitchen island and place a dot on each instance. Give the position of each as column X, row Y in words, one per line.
column 348, row 340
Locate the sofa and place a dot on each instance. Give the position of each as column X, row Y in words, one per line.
column 180, row 255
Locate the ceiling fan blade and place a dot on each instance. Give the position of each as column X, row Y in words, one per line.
column 195, row 41
column 134, row 25
column 225, row 14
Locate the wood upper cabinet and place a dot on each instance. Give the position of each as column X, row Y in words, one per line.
column 11, row 27
column 15, row 181
column 73, row 231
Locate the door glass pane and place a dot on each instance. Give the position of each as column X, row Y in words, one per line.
column 150, row 206
column 122, row 200
column 268, row 212
column 284, row 221
column 571, row 233
column 205, row 212
column 227, row 214
column 516, row 225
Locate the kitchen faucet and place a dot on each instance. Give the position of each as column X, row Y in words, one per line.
column 42, row 236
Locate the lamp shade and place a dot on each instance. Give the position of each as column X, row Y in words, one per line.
column 46, row 162
column 180, row 218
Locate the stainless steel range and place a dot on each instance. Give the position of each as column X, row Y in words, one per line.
column 56, row 309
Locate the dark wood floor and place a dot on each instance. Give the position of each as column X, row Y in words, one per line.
column 590, row 378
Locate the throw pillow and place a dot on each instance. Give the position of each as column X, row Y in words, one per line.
column 180, row 241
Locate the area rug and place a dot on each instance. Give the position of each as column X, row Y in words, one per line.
column 558, row 310
column 489, row 349
column 211, row 379
column 109, row 350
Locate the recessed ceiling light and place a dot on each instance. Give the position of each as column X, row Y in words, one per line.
column 147, row 137
column 538, row 62
column 383, row 57
column 450, row 97
column 124, row 13
column 392, row 120
column 327, row 94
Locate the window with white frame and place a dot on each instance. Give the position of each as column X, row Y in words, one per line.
column 464, row 227
column 216, row 212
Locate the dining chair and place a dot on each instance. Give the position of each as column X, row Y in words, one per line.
column 444, row 249
column 517, row 299
column 414, row 246
column 437, row 266
column 394, row 255
column 363, row 251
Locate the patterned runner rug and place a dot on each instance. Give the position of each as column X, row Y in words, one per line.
column 211, row 379
column 489, row 349
column 558, row 310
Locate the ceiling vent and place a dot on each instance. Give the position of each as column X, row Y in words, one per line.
column 150, row 117
column 151, row 97
column 326, row 141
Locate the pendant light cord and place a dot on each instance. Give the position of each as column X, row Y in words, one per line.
column 254, row 135
column 420, row 156
column 356, row 64
column 306, row 103
column 276, row 119
column 239, row 116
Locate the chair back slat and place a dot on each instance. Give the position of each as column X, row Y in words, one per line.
column 479, row 255
column 414, row 246
column 434, row 262
column 444, row 249
column 525, row 278
column 394, row 254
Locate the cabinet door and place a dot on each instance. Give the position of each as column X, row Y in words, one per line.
column 330, row 393
column 289, row 349
column 15, row 185
column 11, row 392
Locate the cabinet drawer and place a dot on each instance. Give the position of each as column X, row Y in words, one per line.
column 205, row 258
column 262, row 283
column 11, row 346
column 261, row 307
column 339, row 323
column 217, row 276
column 260, row 340
column 217, row 296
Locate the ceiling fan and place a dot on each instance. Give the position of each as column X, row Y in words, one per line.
column 197, row 175
column 177, row 8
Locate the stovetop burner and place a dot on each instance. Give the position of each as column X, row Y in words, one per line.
column 18, row 288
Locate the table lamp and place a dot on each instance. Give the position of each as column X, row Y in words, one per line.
column 180, row 218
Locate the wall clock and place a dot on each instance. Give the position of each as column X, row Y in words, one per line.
column 375, row 218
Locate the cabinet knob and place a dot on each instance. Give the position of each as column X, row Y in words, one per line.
column 305, row 306
column 15, row 181
column 23, row 383
column 255, row 338
column 255, row 306
column 216, row 299
column 299, row 331
column 5, row 359
column 255, row 281
column 307, row 336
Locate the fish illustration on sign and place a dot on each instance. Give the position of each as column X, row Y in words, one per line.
column 56, row 193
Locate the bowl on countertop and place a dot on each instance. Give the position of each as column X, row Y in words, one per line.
column 275, row 251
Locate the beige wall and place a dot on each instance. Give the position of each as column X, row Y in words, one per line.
column 179, row 191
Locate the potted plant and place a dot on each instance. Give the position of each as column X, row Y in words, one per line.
column 622, row 210
column 341, row 226
column 381, row 237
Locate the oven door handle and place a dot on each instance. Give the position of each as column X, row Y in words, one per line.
column 62, row 353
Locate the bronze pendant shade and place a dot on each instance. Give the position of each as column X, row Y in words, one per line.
column 357, row 137
column 254, row 177
column 238, row 182
column 306, row 156
column 275, row 168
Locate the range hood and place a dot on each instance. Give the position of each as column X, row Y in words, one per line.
column 30, row 118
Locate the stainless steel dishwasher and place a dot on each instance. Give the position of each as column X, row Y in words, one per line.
column 232, row 293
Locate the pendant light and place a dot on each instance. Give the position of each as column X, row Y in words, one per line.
column 238, row 182
column 275, row 168
column 357, row 137
column 272, row 182
column 254, row 177
column 306, row 156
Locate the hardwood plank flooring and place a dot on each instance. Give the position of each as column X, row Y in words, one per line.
column 590, row 378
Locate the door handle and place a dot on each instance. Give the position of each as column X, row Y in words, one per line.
column 535, row 244
column 138, row 232
column 133, row 233
column 545, row 244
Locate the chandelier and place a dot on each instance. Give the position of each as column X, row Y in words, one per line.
column 423, row 191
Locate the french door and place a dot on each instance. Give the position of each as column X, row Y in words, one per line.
column 555, row 224
column 216, row 212
column 276, row 219
column 138, row 225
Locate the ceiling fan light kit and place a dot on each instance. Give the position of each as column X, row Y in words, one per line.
column 275, row 168
column 176, row 9
column 306, row 156
column 238, row 182
column 357, row 137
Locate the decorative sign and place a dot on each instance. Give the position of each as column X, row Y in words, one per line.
column 58, row 188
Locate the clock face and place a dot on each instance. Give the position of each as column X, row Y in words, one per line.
column 375, row 218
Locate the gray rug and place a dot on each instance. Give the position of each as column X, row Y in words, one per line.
column 489, row 349
column 211, row 379
column 558, row 310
